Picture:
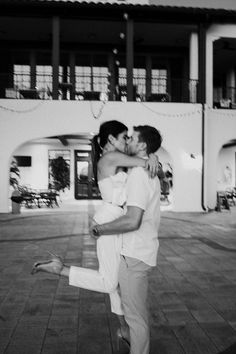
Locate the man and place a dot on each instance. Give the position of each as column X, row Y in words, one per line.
column 139, row 227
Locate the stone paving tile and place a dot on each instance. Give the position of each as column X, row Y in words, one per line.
column 96, row 345
column 192, row 291
column 26, row 338
column 194, row 339
column 164, row 341
column 175, row 317
column 67, row 321
column 33, row 321
column 60, row 341
column 29, row 348
column 207, row 315
column 5, row 336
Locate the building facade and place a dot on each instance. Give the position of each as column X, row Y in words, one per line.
column 67, row 66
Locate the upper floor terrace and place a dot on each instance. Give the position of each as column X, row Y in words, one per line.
column 105, row 51
column 93, row 82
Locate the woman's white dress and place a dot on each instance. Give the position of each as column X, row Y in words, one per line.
column 105, row 279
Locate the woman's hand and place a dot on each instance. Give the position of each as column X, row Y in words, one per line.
column 152, row 165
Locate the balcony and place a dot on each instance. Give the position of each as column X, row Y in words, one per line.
column 98, row 87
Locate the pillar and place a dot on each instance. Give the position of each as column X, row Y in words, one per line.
column 209, row 69
column 113, row 77
column 129, row 58
column 230, row 85
column 193, row 67
column 32, row 70
column 72, row 76
column 202, row 90
column 148, row 76
column 55, row 55
column 4, row 182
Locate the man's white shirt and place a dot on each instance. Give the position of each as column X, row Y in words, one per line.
column 143, row 192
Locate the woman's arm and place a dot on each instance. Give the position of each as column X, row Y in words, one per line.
column 119, row 159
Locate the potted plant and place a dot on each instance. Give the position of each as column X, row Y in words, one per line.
column 60, row 173
column 16, row 196
column 14, row 174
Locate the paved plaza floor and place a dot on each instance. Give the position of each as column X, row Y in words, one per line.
column 192, row 290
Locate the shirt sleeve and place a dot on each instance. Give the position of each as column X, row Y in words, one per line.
column 137, row 188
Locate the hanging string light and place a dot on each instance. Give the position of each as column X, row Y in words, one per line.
column 21, row 111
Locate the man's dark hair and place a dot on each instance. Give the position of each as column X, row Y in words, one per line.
column 149, row 135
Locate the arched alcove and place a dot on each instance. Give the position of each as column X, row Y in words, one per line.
column 167, row 195
column 34, row 163
column 226, row 166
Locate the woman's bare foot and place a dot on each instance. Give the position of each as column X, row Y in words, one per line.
column 54, row 265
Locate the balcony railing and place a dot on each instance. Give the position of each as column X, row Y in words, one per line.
column 98, row 87
column 224, row 97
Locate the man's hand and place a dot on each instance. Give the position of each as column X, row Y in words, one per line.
column 93, row 225
column 152, row 165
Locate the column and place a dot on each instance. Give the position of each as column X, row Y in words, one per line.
column 202, row 64
column 55, row 56
column 230, row 85
column 113, row 77
column 72, row 76
column 63, row 85
column 129, row 58
column 148, row 76
column 4, row 181
column 209, row 69
column 193, row 67
column 185, row 80
column 32, row 70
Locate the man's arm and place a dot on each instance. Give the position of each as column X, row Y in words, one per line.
column 129, row 222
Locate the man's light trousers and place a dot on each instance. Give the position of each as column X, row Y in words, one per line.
column 133, row 280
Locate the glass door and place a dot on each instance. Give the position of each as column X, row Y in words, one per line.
column 85, row 185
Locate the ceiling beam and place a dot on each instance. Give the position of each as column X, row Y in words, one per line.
column 63, row 140
column 230, row 144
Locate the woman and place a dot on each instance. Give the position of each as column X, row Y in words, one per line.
column 109, row 159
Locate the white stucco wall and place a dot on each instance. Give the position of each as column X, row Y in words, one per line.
column 180, row 124
column 35, row 176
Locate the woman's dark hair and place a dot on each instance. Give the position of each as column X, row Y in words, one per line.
column 112, row 127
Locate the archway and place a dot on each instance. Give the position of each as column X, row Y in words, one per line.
column 36, row 158
column 226, row 174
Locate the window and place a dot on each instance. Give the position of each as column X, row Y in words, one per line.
column 140, row 81
column 91, row 78
column 83, row 78
column 159, row 80
column 22, row 76
column 44, row 77
column 100, row 79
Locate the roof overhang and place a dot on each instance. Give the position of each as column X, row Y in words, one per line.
column 194, row 4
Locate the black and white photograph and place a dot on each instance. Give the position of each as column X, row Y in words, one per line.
column 117, row 176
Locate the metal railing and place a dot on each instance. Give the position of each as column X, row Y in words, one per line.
column 98, row 87
column 224, row 97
